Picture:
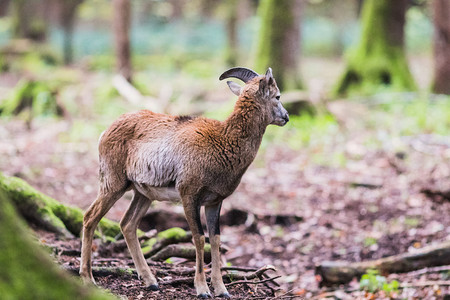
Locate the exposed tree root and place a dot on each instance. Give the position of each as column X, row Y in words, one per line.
column 46, row 212
column 165, row 238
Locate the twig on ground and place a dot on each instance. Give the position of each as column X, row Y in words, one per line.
column 253, row 282
column 236, row 268
column 428, row 271
column 425, row 283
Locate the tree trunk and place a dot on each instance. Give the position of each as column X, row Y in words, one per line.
column 29, row 19
column 231, row 22
column 177, row 9
column 207, row 8
column 379, row 58
column 121, row 26
column 279, row 41
column 67, row 14
column 27, row 271
column 4, row 6
column 441, row 10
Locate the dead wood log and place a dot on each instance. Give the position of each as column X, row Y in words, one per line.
column 165, row 238
column 437, row 195
column 334, row 272
column 186, row 251
column 46, row 212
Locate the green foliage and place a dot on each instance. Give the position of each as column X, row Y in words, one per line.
column 370, row 241
column 373, row 282
column 35, row 95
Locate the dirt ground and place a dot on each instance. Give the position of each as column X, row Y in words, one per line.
column 297, row 214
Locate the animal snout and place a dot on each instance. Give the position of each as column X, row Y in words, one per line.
column 286, row 118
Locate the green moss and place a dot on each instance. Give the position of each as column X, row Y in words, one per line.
column 27, row 271
column 57, row 217
column 37, row 96
column 169, row 236
column 172, row 233
column 377, row 61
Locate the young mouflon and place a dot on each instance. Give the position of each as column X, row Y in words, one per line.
column 195, row 160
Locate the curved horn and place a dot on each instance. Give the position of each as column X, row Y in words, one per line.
column 243, row 74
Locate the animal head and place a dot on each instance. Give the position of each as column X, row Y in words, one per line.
column 262, row 89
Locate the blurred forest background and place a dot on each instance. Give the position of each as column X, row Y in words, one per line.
column 360, row 173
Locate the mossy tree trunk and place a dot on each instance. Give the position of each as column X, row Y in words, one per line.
column 27, row 272
column 121, row 27
column 279, row 41
column 46, row 212
column 441, row 11
column 379, row 58
column 29, row 19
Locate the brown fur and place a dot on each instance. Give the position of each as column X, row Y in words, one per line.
column 205, row 160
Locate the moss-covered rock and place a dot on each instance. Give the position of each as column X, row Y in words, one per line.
column 47, row 212
column 26, row 270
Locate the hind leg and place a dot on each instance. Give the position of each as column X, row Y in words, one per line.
column 103, row 203
column 129, row 223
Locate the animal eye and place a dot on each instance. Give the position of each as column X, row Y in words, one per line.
column 278, row 97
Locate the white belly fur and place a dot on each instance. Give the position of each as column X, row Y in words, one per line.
column 159, row 193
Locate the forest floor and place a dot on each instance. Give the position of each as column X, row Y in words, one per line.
column 289, row 212
column 353, row 193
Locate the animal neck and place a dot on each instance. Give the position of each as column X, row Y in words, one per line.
column 246, row 125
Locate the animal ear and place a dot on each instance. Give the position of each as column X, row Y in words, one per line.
column 234, row 87
column 269, row 76
column 264, row 86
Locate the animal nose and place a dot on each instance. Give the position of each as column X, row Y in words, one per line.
column 286, row 118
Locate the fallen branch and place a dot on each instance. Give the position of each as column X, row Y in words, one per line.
column 236, row 277
column 425, row 283
column 343, row 272
column 436, row 194
column 253, row 282
column 132, row 95
column 428, row 271
column 183, row 251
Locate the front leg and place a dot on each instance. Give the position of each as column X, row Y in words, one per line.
column 192, row 212
column 212, row 218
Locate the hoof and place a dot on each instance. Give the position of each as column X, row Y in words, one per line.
column 224, row 295
column 153, row 287
column 204, row 296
